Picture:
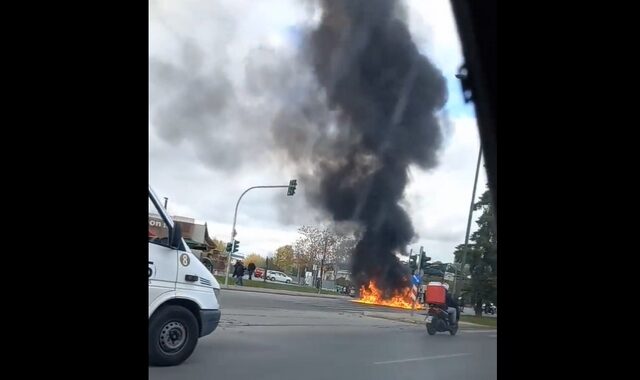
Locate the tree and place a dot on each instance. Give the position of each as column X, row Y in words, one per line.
column 219, row 246
column 284, row 258
column 302, row 259
column 256, row 259
column 216, row 251
column 344, row 251
column 323, row 245
column 482, row 255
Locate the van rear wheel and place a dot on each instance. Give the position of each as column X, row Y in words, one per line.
column 173, row 334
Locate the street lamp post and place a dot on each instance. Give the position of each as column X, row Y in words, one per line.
column 233, row 228
column 466, row 238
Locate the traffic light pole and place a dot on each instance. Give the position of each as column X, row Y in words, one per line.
column 233, row 229
column 419, row 269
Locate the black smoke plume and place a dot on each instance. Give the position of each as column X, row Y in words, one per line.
column 385, row 96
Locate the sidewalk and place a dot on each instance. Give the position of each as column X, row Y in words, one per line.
column 418, row 318
column 285, row 292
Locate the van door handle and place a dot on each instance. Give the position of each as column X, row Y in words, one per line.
column 191, row 278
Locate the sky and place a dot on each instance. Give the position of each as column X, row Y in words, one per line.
column 200, row 55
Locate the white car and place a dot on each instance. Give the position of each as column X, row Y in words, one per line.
column 273, row 275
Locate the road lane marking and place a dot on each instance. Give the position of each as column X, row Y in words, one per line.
column 423, row 358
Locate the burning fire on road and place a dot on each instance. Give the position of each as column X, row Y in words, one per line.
column 371, row 294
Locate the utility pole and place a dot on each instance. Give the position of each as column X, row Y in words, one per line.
column 466, row 238
column 324, row 255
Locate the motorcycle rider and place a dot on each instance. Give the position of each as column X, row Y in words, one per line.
column 452, row 306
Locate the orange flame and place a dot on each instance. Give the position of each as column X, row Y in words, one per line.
column 370, row 294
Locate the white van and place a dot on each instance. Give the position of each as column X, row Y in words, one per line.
column 183, row 294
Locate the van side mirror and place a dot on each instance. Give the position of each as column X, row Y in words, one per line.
column 176, row 236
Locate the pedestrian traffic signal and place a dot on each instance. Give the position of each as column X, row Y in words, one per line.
column 229, row 245
column 413, row 262
column 292, row 187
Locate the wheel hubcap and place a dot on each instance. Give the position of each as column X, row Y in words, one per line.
column 173, row 337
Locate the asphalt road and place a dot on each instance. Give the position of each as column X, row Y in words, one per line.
column 270, row 336
column 466, row 311
column 273, row 301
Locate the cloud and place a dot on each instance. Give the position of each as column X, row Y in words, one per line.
column 439, row 200
column 199, row 54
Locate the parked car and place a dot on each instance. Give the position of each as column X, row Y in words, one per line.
column 489, row 308
column 273, row 275
column 258, row 273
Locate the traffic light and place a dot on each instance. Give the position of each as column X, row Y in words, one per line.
column 292, row 187
column 413, row 262
column 231, row 246
column 424, row 259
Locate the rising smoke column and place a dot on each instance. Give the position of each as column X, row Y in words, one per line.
column 386, row 96
column 349, row 114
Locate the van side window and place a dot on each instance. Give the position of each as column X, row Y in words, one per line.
column 158, row 230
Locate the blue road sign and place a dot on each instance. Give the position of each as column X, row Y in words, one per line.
column 415, row 279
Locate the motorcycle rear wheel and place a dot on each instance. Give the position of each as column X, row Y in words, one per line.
column 431, row 329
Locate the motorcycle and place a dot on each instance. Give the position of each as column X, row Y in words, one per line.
column 437, row 320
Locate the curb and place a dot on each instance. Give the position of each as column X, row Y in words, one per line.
column 407, row 319
column 288, row 292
